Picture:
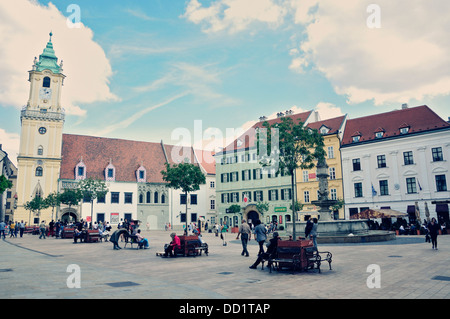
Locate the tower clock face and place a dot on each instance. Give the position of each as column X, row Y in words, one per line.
column 45, row 93
column 42, row 130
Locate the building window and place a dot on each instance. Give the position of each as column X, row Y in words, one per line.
column 212, row 184
column 258, row 196
column 441, row 183
column 356, row 138
column 101, row 199
column 234, row 197
column 384, row 189
column 156, row 198
column 379, row 134
column 148, row 196
column 286, row 194
column 246, row 175
column 330, row 152
column 46, row 82
column 404, row 130
column 305, row 176
column 80, row 170
column 411, row 185
column 213, row 204
column 141, row 174
column 306, row 196
column 128, row 198
column 182, row 199
column 257, row 173
column 224, row 178
column 234, row 177
column 437, row 154
column 358, row 190
column 115, row 197
column 39, row 171
column 141, row 198
column 40, row 150
column 193, row 199
column 333, row 194
column 248, row 195
column 163, row 199
column 273, row 194
column 332, row 171
column 408, row 158
column 356, row 164
column 110, row 172
column 224, row 198
column 381, row 161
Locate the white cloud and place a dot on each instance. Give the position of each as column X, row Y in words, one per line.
column 407, row 58
column 234, row 15
column 328, row 110
column 10, row 144
column 25, row 26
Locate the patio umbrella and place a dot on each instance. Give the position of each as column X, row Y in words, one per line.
column 427, row 212
column 417, row 212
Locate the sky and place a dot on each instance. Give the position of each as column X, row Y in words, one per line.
column 194, row 72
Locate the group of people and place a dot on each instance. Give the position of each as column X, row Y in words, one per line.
column 12, row 228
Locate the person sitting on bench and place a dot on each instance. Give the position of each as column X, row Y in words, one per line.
column 142, row 242
column 174, row 244
column 79, row 234
column 271, row 249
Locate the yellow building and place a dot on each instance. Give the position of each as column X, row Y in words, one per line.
column 307, row 183
column 42, row 120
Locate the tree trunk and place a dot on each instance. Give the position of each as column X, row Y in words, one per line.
column 293, row 206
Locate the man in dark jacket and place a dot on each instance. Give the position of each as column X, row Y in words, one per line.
column 271, row 250
column 433, row 228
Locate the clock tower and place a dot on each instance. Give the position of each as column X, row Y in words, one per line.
column 42, row 120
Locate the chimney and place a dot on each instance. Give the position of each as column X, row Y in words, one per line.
column 404, row 106
column 262, row 118
column 280, row 114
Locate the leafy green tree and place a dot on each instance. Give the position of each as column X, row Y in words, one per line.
column 70, row 197
column 186, row 177
column 53, row 200
column 92, row 189
column 234, row 209
column 262, row 207
column 35, row 205
column 297, row 147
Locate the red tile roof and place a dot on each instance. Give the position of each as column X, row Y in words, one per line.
column 418, row 119
column 126, row 156
column 248, row 139
column 333, row 124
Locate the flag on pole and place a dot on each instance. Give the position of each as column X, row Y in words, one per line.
column 374, row 192
column 420, row 187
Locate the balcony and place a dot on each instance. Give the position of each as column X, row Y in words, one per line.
column 42, row 115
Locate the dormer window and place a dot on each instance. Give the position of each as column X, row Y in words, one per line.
column 110, row 172
column 141, row 174
column 404, row 130
column 356, row 137
column 324, row 129
column 80, row 171
column 379, row 134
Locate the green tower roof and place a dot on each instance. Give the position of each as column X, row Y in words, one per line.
column 48, row 59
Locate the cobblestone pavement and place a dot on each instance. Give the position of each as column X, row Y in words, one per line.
column 33, row 268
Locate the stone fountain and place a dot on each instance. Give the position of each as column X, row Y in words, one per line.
column 337, row 231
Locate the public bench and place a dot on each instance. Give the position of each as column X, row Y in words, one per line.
column 131, row 239
column 92, row 236
column 314, row 257
column 67, row 233
column 189, row 246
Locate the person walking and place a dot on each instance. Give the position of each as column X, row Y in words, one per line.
column 313, row 233
column 260, row 235
column 42, row 229
column 21, row 228
column 2, row 229
column 309, row 225
column 433, row 228
column 12, row 229
column 245, row 232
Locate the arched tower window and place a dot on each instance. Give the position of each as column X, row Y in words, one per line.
column 39, row 171
column 46, row 82
column 148, row 198
column 40, row 150
column 156, row 198
column 163, row 199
